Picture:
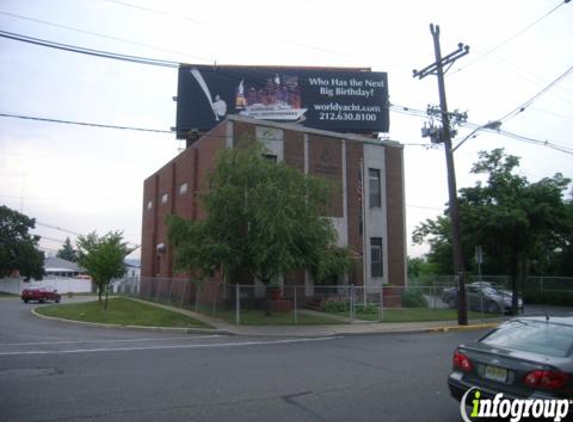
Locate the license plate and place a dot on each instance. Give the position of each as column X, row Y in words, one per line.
column 495, row 373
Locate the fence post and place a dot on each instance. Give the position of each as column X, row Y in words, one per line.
column 170, row 291
column 381, row 308
column 237, row 304
column 295, row 306
column 352, row 293
column 185, row 282
column 197, row 292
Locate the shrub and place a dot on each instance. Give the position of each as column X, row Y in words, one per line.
column 335, row 305
column 413, row 298
column 368, row 309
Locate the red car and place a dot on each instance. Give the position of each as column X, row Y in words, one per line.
column 41, row 294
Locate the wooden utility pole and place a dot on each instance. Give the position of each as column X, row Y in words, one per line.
column 437, row 69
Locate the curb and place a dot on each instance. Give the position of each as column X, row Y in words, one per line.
column 472, row 327
column 181, row 330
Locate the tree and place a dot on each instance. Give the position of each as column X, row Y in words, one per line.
column 422, row 269
column 261, row 217
column 18, row 248
column 67, row 251
column 515, row 221
column 103, row 258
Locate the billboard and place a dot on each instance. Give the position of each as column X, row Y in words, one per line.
column 342, row 100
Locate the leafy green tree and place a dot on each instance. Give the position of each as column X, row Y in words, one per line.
column 67, row 251
column 422, row 269
column 515, row 221
column 103, row 258
column 261, row 217
column 18, row 248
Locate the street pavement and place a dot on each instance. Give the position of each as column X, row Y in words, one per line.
column 56, row 371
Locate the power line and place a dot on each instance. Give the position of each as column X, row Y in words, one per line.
column 89, row 51
column 51, row 226
column 397, row 109
column 526, row 139
column 115, row 56
column 26, row 198
column 422, row 114
column 530, row 101
column 256, row 35
column 511, row 38
column 163, row 63
column 71, row 122
column 97, row 34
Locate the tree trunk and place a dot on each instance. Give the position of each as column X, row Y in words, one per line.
column 106, row 297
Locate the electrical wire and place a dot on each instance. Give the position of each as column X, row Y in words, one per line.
column 530, row 101
column 422, row 114
column 97, row 34
column 511, row 38
column 51, row 226
column 256, row 35
column 89, row 51
column 163, row 63
column 416, row 113
column 71, row 122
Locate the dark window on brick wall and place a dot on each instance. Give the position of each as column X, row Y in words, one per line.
column 374, row 191
column 376, row 262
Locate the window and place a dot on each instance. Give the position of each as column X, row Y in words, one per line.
column 376, row 264
column 149, row 205
column 164, row 198
column 183, row 189
column 272, row 158
column 375, row 195
column 543, row 337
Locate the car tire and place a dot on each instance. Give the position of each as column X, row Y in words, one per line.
column 57, row 300
column 492, row 308
column 26, row 300
column 452, row 303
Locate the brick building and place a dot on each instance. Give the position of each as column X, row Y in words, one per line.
column 340, row 157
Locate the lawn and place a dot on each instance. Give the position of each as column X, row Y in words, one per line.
column 258, row 317
column 418, row 315
column 121, row 311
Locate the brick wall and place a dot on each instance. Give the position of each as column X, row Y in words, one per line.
column 396, row 217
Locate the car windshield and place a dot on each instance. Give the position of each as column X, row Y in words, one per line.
column 533, row 336
column 490, row 291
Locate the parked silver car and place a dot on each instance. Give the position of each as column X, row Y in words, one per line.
column 482, row 295
column 524, row 358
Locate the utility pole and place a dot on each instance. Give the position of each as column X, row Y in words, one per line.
column 437, row 69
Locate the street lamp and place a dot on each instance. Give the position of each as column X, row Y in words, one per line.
column 493, row 125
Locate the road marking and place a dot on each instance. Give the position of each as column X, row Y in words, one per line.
column 43, row 343
column 180, row 346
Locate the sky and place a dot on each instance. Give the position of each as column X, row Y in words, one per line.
column 77, row 179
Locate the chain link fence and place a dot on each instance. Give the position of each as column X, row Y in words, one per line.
column 258, row 304
column 549, row 290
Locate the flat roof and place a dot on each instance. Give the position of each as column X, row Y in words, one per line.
column 299, row 128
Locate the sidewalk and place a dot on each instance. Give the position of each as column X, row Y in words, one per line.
column 358, row 328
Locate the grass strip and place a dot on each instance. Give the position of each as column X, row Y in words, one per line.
column 258, row 317
column 121, row 311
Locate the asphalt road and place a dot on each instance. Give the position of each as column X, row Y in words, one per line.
column 53, row 371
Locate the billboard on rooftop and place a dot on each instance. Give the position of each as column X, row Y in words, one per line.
column 333, row 99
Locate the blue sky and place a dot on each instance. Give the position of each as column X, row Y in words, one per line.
column 81, row 179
